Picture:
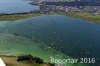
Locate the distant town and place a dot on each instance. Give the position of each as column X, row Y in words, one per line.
column 83, row 9
column 57, row 6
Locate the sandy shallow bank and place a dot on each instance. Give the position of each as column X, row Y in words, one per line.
column 11, row 61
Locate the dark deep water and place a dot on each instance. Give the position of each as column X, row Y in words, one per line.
column 16, row 6
column 74, row 37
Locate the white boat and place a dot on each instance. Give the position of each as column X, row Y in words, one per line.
column 2, row 63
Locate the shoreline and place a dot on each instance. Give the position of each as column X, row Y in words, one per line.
column 94, row 18
column 17, row 16
column 11, row 61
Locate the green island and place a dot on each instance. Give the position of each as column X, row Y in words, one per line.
column 85, row 16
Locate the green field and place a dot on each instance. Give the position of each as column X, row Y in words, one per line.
column 18, row 16
column 86, row 16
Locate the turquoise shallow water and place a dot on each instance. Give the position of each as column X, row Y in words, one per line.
column 11, row 45
column 51, row 35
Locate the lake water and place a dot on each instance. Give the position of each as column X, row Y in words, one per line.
column 73, row 37
column 16, row 6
